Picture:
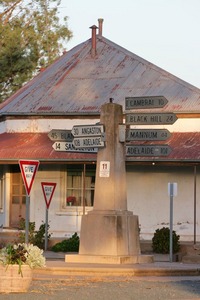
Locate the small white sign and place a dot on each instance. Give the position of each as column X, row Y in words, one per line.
column 104, row 169
column 172, row 189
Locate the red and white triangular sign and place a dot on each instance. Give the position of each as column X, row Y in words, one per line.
column 48, row 189
column 28, row 169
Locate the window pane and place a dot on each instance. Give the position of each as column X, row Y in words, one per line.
column 82, row 190
column 16, row 177
column 16, row 189
column 15, row 200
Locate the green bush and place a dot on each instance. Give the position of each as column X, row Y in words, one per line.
column 69, row 245
column 36, row 238
column 161, row 241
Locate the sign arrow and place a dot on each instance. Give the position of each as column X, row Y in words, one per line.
column 148, row 150
column 88, row 142
column 145, row 102
column 60, row 135
column 87, row 130
column 151, row 119
column 69, row 147
column 147, row 135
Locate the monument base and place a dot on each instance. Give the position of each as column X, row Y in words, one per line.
column 109, row 259
column 109, row 237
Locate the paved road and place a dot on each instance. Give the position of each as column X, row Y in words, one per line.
column 111, row 288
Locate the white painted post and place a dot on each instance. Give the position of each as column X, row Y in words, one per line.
column 172, row 191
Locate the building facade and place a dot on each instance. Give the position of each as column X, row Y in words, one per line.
column 35, row 123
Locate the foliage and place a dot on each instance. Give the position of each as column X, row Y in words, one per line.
column 69, row 245
column 31, row 38
column 35, row 237
column 161, row 241
column 22, row 254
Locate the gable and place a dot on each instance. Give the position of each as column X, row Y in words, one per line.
column 78, row 83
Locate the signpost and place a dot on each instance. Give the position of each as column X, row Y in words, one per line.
column 69, row 147
column 28, row 171
column 87, row 130
column 147, row 150
column 147, row 134
column 60, row 135
column 48, row 189
column 88, row 136
column 150, row 119
column 82, row 138
column 88, row 142
column 145, row 102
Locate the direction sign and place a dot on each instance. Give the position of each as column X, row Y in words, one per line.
column 48, row 189
column 150, row 119
column 87, row 130
column 28, row 169
column 88, row 142
column 145, row 102
column 60, row 135
column 69, row 147
column 148, row 150
column 147, row 134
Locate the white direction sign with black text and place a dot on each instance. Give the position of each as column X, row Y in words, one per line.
column 145, row 102
column 69, row 147
column 147, row 134
column 87, row 130
column 60, row 135
column 88, row 142
column 150, row 118
column 147, row 150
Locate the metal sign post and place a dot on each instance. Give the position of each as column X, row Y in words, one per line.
column 172, row 191
column 48, row 189
column 28, row 171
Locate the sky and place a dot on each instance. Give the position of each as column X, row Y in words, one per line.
column 163, row 32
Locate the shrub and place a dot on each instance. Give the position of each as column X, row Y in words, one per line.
column 69, row 245
column 161, row 241
column 36, row 238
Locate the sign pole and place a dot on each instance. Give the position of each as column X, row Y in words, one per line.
column 48, row 189
column 27, row 219
column 172, row 191
column 46, row 229
column 171, row 224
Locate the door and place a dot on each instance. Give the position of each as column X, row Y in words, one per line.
column 17, row 197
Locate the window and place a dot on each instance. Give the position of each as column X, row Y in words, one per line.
column 17, row 197
column 80, row 186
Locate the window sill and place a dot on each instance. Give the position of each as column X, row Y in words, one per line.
column 73, row 211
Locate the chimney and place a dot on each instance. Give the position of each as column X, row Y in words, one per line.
column 93, row 50
column 100, row 26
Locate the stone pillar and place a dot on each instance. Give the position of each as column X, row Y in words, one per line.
column 110, row 192
column 110, row 233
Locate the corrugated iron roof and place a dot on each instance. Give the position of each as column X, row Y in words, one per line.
column 15, row 146
column 78, row 83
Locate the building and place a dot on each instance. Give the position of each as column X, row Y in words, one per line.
column 71, row 92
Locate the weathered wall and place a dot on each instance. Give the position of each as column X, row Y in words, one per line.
column 148, row 198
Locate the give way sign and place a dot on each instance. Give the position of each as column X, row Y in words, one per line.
column 28, row 169
column 48, row 189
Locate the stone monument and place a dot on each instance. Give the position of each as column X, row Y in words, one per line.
column 110, row 233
